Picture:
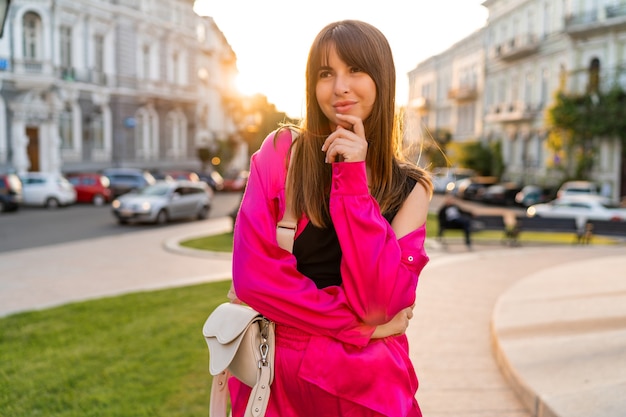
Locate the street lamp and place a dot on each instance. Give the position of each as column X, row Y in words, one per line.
column 4, row 11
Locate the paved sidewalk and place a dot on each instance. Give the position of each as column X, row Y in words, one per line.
column 51, row 275
column 498, row 332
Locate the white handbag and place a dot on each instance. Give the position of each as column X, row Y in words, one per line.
column 242, row 342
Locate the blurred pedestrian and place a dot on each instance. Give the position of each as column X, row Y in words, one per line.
column 452, row 216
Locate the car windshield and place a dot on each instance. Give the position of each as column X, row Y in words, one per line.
column 158, row 189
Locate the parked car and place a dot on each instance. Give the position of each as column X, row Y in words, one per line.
column 10, row 192
column 183, row 175
column 581, row 208
column 214, row 179
column 123, row 180
column 236, row 181
column 501, row 194
column 578, row 188
column 532, row 194
column 473, row 188
column 164, row 201
column 47, row 189
column 444, row 178
column 91, row 187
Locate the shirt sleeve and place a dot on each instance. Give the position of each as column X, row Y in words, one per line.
column 379, row 272
column 265, row 275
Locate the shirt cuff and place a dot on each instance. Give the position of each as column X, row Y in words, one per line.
column 349, row 178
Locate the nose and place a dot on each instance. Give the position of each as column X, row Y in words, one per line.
column 342, row 85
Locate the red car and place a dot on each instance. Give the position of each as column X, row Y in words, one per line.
column 236, row 181
column 90, row 187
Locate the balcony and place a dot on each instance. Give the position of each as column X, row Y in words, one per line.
column 463, row 93
column 516, row 48
column 517, row 111
column 596, row 21
column 67, row 73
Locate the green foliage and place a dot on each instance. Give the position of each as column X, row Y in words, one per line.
column 140, row 354
column 481, row 158
column 575, row 120
column 436, row 150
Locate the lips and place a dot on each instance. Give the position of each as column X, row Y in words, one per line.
column 344, row 106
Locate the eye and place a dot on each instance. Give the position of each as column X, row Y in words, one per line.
column 324, row 73
column 355, row 69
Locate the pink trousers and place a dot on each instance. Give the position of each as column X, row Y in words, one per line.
column 291, row 396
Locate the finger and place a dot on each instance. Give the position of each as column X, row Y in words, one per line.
column 355, row 122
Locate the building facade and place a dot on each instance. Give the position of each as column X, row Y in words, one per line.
column 529, row 50
column 90, row 84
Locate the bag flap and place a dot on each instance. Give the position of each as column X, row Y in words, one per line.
column 227, row 322
column 224, row 331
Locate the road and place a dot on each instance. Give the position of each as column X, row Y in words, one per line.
column 32, row 227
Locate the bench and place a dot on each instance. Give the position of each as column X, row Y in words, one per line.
column 606, row 228
column 550, row 225
column 484, row 222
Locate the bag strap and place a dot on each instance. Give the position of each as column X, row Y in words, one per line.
column 259, row 397
column 288, row 225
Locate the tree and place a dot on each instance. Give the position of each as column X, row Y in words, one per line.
column 576, row 120
column 485, row 159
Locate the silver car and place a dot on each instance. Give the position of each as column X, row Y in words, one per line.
column 164, row 201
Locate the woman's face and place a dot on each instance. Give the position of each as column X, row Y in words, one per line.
column 344, row 89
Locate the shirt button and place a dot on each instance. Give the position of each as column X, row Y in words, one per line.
column 410, row 258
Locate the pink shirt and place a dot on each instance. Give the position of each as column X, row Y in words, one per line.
column 379, row 274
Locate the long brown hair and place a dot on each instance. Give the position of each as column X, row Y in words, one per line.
column 361, row 45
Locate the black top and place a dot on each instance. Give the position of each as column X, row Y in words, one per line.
column 318, row 252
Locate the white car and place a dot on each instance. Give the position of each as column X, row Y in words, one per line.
column 164, row 201
column 47, row 189
column 572, row 188
column 444, row 178
column 581, row 208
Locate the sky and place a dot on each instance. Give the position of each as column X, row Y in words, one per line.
column 272, row 38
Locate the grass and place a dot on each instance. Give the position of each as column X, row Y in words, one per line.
column 140, row 354
column 217, row 243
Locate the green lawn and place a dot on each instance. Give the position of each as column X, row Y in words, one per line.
column 140, row 354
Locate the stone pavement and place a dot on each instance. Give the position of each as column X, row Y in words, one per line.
column 498, row 332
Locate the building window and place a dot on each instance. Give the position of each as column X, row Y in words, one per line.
column 545, row 74
column 65, row 33
column 32, row 36
column 98, row 59
column 593, row 85
column 66, row 128
column 96, row 128
column 146, row 61
column 175, row 69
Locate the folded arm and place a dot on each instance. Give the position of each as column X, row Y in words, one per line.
column 379, row 271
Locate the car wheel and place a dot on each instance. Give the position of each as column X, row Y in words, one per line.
column 52, row 203
column 161, row 218
column 122, row 221
column 2, row 208
column 203, row 213
column 98, row 200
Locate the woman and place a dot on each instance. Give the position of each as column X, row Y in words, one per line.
column 343, row 299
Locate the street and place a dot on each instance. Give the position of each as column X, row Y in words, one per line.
column 32, row 227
